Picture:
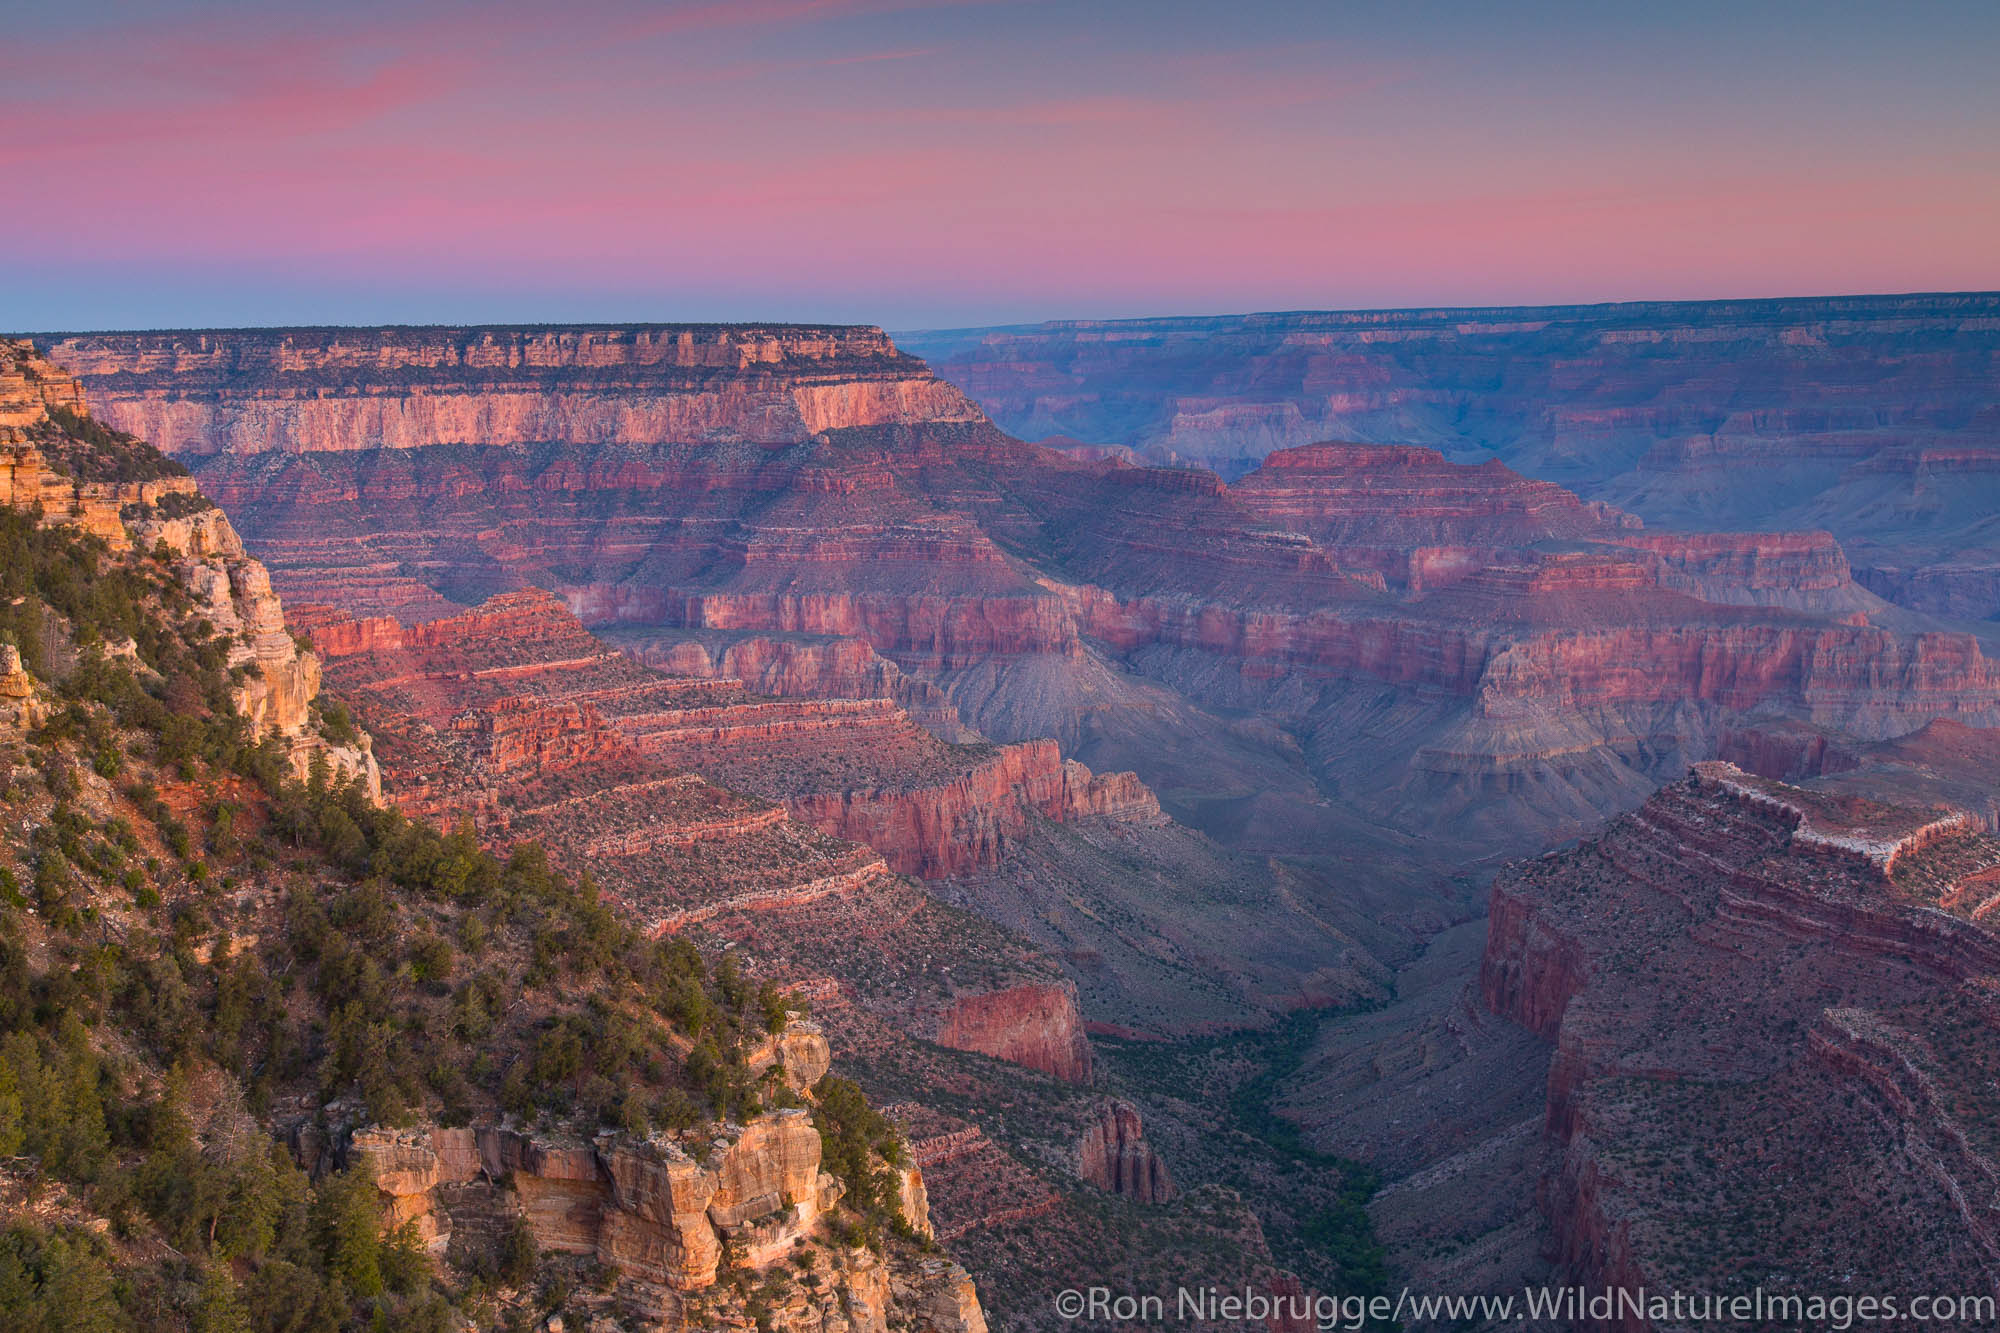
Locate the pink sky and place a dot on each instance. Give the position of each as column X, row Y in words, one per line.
column 200, row 163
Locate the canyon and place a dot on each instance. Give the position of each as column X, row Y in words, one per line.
column 138, row 625
column 1351, row 643
column 1872, row 417
column 1770, row 1011
column 1059, row 781
column 696, row 805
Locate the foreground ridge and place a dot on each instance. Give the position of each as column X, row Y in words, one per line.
column 272, row 1052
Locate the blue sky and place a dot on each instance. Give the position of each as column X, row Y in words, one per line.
column 926, row 164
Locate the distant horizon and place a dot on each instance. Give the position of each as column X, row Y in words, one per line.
column 943, row 329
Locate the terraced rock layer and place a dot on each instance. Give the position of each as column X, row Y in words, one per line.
column 296, row 390
column 856, row 768
column 1356, row 647
column 515, row 714
column 1871, row 417
column 1773, row 1011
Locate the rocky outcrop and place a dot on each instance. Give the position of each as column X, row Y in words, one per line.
column 666, row 1223
column 165, row 516
column 643, row 1205
column 1033, row 1025
column 1115, row 1157
column 29, row 386
column 945, row 1299
column 1770, row 1004
column 233, row 593
column 799, row 1052
column 21, row 705
column 965, row 824
column 1862, row 833
column 913, row 1200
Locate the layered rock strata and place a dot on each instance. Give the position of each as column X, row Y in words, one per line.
column 856, row 769
column 515, row 715
column 167, row 517
column 1771, row 1007
column 296, row 390
column 1526, row 649
column 1871, row 416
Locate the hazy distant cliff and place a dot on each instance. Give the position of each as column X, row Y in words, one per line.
column 306, row 390
column 1581, row 390
column 1875, row 418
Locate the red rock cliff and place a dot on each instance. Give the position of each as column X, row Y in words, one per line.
column 298, row 390
column 1033, row 1025
column 1115, row 1157
column 1770, row 1009
column 965, row 824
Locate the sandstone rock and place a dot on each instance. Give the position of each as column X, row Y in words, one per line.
column 645, row 1207
column 944, row 1300
column 1768, row 1002
column 1115, row 1157
column 21, row 708
column 800, row 1052
column 406, row 1175
column 866, row 1295
column 772, row 1166
column 1033, row 1025
column 913, row 1200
